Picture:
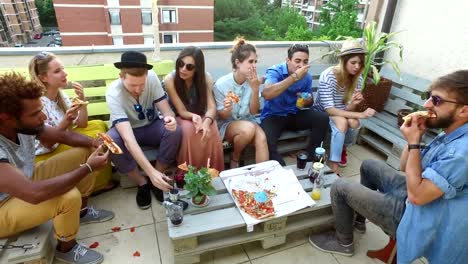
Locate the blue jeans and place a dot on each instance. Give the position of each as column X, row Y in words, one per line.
column 380, row 197
column 338, row 139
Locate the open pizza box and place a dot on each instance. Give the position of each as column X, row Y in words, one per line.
column 271, row 179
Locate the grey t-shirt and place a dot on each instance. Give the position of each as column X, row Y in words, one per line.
column 122, row 104
column 19, row 155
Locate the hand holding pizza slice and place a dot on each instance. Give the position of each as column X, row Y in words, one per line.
column 109, row 143
column 231, row 95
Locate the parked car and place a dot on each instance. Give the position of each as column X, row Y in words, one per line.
column 53, row 44
column 51, row 32
column 19, row 45
column 38, row 36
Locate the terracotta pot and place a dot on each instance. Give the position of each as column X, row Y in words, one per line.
column 400, row 114
column 202, row 201
column 375, row 96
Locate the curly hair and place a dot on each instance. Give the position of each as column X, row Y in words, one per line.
column 241, row 51
column 455, row 82
column 13, row 89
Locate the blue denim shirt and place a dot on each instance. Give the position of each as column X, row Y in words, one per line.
column 439, row 230
column 285, row 103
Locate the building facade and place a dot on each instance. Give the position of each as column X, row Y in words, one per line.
column 120, row 22
column 19, row 21
column 310, row 9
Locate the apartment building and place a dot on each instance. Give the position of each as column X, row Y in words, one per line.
column 19, row 21
column 310, row 9
column 120, row 22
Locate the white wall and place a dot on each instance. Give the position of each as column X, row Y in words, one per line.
column 435, row 36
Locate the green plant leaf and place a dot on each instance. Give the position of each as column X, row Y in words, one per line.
column 198, row 198
column 208, row 190
column 375, row 75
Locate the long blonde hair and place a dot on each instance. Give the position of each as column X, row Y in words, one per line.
column 39, row 65
column 344, row 79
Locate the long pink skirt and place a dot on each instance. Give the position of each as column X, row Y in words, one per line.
column 196, row 152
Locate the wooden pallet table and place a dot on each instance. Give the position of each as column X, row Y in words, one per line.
column 221, row 225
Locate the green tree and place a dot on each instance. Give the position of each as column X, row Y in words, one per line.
column 46, row 11
column 338, row 18
column 284, row 19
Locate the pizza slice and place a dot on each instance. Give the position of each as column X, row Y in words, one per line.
column 419, row 114
column 233, row 96
column 109, row 143
column 77, row 101
column 248, row 204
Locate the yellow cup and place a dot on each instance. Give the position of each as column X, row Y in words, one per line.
column 300, row 102
column 316, row 193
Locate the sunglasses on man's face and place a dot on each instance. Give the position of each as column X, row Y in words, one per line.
column 141, row 114
column 188, row 66
column 437, row 100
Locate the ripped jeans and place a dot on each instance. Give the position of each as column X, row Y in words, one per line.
column 380, row 197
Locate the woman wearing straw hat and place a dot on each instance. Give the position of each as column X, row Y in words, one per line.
column 339, row 95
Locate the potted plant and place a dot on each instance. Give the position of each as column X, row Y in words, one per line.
column 198, row 184
column 376, row 89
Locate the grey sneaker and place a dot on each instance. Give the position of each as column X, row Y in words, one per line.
column 328, row 242
column 360, row 227
column 96, row 216
column 80, row 254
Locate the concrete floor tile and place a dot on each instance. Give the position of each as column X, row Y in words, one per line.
column 303, row 254
column 364, row 152
column 119, row 247
column 127, row 214
column 254, row 249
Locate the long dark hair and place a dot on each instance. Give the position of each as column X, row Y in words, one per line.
column 199, row 79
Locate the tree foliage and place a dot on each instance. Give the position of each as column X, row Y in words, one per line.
column 46, row 11
column 338, row 18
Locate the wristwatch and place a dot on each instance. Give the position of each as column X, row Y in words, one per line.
column 294, row 75
column 414, row 146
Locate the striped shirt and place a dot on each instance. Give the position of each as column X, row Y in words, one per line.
column 329, row 93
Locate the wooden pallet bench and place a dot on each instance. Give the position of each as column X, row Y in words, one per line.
column 43, row 251
column 381, row 131
column 221, row 225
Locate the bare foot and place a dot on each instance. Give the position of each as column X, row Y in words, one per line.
column 334, row 167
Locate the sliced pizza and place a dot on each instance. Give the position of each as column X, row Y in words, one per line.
column 77, row 101
column 258, row 210
column 109, row 143
column 233, row 96
column 419, row 114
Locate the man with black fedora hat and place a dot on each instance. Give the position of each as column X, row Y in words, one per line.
column 134, row 101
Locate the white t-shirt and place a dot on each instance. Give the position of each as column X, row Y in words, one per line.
column 122, row 104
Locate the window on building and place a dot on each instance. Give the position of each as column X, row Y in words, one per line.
column 118, row 40
column 149, row 40
column 146, row 18
column 169, row 16
column 114, row 17
column 169, row 38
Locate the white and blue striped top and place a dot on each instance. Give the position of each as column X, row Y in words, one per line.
column 329, row 93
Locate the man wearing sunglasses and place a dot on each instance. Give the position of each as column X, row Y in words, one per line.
column 284, row 82
column 426, row 211
column 134, row 101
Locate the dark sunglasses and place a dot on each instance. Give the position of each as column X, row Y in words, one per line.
column 188, row 66
column 437, row 100
column 141, row 114
column 42, row 55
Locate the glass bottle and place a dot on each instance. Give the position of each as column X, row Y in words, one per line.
column 174, row 212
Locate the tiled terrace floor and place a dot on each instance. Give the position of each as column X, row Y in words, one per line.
column 150, row 237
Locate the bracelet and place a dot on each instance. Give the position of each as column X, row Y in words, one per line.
column 209, row 117
column 87, row 165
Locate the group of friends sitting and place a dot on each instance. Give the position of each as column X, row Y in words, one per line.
column 51, row 160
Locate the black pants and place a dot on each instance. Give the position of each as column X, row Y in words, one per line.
column 311, row 119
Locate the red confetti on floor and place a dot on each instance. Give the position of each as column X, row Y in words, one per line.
column 136, row 254
column 94, row 245
column 116, row 228
column 132, row 229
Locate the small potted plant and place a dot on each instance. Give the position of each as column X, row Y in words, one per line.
column 198, row 184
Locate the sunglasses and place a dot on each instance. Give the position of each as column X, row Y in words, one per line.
column 141, row 114
column 437, row 100
column 42, row 55
column 188, row 66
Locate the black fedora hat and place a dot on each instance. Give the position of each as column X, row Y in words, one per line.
column 133, row 59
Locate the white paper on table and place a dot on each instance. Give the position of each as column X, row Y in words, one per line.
column 269, row 175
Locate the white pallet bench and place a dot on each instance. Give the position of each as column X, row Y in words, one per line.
column 43, row 252
column 221, row 225
column 381, row 131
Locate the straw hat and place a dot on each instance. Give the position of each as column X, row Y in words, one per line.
column 351, row 46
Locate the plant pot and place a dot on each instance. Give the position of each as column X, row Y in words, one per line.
column 375, row 96
column 402, row 113
column 205, row 200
